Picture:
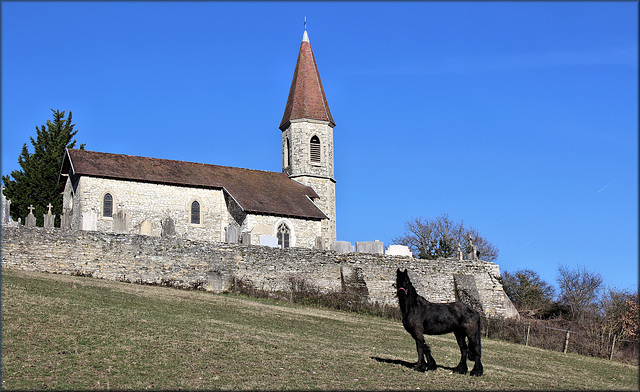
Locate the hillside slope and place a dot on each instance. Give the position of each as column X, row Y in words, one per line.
column 68, row 332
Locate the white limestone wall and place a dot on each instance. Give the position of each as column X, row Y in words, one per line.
column 147, row 202
column 146, row 205
column 303, row 232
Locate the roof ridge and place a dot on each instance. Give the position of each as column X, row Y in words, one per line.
column 175, row 160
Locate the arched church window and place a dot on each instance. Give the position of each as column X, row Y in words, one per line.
column 195, row 213
column 283, row 235
column 315, row 149
column 107, row 205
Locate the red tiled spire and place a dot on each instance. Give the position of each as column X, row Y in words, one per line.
column 306, row 95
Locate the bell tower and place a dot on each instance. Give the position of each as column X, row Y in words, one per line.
column 307, row 137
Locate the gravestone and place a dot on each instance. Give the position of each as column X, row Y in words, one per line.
column 269, row 240
column 90, row 220
column 341, row 247
column 30, row 221
column 246, row 238
column 49, row 219
column 319, row 243
column 375, row 247
column 6, row 210
column 145, row 227
column 472, row 250
column 231, row 234
column 121, row 222
column 65, row 219
column 399, row 250
column 168, row 228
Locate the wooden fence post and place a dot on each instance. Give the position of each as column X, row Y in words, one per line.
column 526, row 343
column 566, row 343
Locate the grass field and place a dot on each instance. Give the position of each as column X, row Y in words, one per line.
column 65, row 332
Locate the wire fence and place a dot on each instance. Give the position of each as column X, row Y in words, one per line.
column 533, row 334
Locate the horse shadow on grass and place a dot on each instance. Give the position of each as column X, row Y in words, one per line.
column 406, row 364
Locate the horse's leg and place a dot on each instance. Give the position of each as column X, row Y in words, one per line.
column 420, row 345
column 462, row 342
column 431, row 363
column 475, row 347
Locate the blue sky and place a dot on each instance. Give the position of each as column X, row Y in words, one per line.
column 518, row 118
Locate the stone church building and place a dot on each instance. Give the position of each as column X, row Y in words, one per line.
column 293, row 208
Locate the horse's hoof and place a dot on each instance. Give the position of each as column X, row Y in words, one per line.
column 460, row 371
column 432, row 367
column 476, row 373
column 419, row 368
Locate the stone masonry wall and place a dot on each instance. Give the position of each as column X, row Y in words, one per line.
column 214, row 266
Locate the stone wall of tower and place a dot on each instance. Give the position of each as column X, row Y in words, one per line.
column 326, row 189
column 297, row 163
column 299, row 134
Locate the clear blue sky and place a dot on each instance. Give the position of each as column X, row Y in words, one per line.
column 518, row 118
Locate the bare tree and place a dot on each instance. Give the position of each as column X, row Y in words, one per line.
column 528, row 291
column 579, row 290
column 437, row 238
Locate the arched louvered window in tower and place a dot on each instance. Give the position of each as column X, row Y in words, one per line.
column 195, row 213
column 283, row 235
column 315, row 149
column 107, row 205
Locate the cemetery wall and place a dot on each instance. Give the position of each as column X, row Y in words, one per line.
column 214, row 266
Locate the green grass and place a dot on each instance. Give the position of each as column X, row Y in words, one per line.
column 65, row 332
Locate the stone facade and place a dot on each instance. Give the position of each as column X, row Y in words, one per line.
column 142, row 208
column 297, row 162
column 214, row 266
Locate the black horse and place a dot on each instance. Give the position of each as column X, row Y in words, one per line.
column 420, row 317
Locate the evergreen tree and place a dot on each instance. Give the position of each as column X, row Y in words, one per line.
column 37, row 183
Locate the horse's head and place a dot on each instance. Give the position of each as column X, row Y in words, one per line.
column 403, row 283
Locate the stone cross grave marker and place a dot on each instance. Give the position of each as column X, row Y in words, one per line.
column 49, row 219
column 30, row 221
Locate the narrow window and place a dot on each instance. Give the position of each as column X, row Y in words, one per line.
column 288, row 155
column 107, row 205
column 315, row 149
column 195, row 213
column 283, row 235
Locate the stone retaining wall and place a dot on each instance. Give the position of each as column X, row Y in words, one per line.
column 214, row 266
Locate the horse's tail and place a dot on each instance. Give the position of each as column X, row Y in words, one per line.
column 475, row 350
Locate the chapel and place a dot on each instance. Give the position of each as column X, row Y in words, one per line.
column 150, row 196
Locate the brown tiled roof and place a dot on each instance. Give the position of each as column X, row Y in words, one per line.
column 256, row 191
column 306, row 95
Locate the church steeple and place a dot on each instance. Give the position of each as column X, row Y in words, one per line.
column 306, row 95
column 307, row 137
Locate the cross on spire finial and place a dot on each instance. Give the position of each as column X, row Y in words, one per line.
column 305, row 23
